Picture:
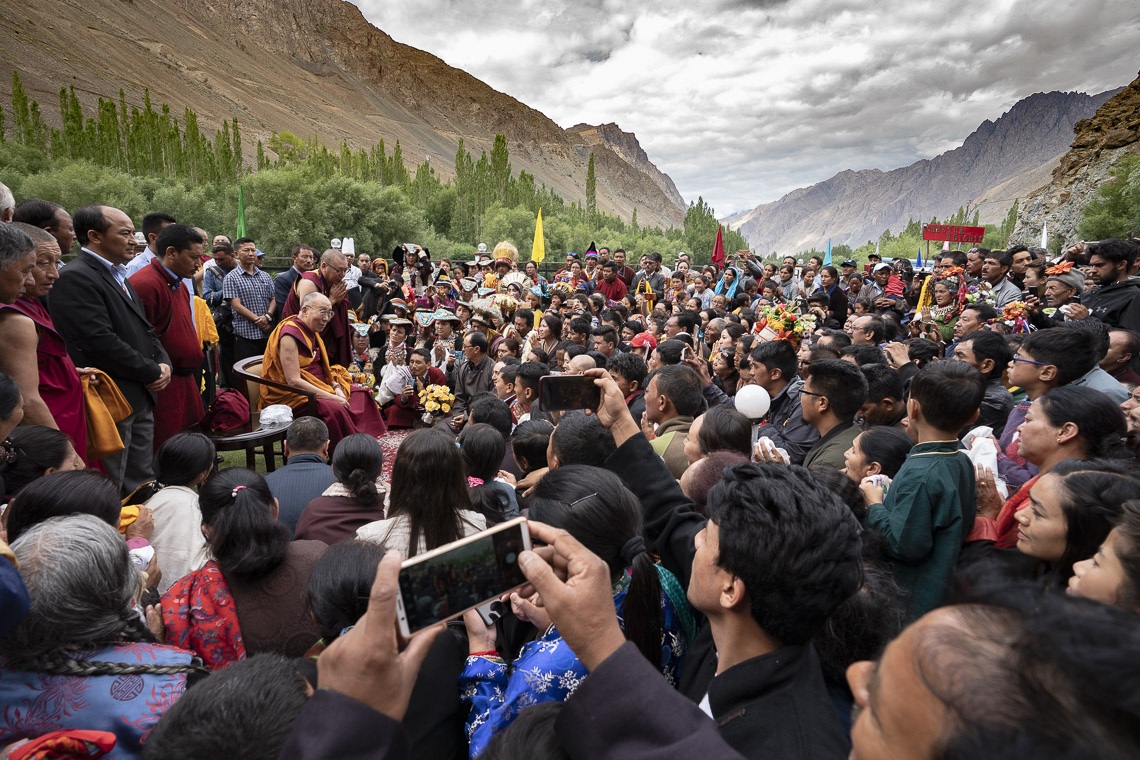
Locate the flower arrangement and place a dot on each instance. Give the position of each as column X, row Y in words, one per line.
column 974, row 294
column 781, row 323
column 436, row 400
column 1015, row 316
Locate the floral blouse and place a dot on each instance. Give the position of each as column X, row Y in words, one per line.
column 547, row 670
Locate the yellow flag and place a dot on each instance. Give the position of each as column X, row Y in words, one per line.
column 538, row 249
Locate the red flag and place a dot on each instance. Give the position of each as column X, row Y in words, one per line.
column 718, row 248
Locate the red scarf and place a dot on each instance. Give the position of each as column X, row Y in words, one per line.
column 1006, row 524
column 200, row 616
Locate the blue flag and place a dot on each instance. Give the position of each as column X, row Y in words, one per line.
column 918, row 261
column 827, row 256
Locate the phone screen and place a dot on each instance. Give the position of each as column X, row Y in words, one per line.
column 445, row 583
column 562, row 392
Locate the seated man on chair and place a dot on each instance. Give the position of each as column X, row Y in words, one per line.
column 296, row 356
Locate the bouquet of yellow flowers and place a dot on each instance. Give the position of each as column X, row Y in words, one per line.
column 436, row 400
column 780, row 323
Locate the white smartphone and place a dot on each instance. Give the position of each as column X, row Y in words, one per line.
column 444, row 583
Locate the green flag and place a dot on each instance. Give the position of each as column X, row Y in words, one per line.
column 241, row 213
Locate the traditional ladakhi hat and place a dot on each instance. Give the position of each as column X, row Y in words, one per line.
column 1066, row 274
column 399, row 303
column 443, row 315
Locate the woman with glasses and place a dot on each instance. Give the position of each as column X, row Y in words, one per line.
column 599, row 511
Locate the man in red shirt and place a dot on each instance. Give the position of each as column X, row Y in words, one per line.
column 610, row 286
column 178, row 249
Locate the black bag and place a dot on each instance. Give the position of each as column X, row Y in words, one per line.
column 223, row 318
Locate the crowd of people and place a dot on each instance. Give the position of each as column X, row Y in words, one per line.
column 818, row 510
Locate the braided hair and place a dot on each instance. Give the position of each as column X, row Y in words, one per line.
column 83, row 587
column 595, row 507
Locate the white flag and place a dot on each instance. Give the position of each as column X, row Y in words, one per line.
column 1045, row 235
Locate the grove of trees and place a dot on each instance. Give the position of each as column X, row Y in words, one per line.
column 297, row 189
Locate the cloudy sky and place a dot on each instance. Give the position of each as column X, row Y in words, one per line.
column 743, row 100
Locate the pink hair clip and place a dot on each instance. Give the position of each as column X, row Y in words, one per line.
column 234, row 493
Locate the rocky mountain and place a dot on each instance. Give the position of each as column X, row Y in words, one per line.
column 625, row 145
column 1000, row 161
column 1099, row 142
column 310, row 66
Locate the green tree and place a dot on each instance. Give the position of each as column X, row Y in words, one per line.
column 1114, row 210
column 591, row 188
column 21, row 112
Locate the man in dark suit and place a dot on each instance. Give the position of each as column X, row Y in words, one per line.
column 304, row 259
column 102, row 319
column 306, row 473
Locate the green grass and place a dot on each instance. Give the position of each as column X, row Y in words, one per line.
column 237, row 459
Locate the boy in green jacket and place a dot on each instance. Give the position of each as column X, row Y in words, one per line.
column 930, row 505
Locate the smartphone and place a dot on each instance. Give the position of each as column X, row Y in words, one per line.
column 559, row 393
column 444, row 583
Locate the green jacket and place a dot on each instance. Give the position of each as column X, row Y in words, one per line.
column 827, row 453
column 927, row 513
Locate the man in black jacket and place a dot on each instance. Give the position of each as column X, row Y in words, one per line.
column 101, row 318
column 776, row 556
column 1116, row 301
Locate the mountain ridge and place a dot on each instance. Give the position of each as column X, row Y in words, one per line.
column 313, row 66
column 855, row 206
column 1099, row 142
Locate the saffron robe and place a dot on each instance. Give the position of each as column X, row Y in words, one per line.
column 336, row 334
column 361, row 416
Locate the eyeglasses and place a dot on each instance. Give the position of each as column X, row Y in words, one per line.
column 1030, row 361
column 322, row 312
column 338, row 270
column 810, row 393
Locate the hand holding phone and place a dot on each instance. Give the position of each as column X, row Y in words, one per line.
column 563, row 392
column 442, row 584
column 366, row 663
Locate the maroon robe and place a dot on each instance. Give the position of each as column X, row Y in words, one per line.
column 167, row 306
column 60, row 387
column 336, row 335
column 362, row 414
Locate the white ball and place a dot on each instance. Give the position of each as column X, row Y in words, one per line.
column 753, row 401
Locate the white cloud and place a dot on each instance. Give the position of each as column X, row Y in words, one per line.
column 743, row 101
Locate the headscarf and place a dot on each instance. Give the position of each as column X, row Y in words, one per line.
column 731, row 291
column 955, row 281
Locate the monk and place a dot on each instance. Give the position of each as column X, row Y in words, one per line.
column 160, row 285
column 296, row 356
column 35, row 355
column 328, row 280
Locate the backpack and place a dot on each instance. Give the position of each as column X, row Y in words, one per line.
column 229, row 411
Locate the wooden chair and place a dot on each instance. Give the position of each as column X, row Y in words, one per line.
column 251, row 437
